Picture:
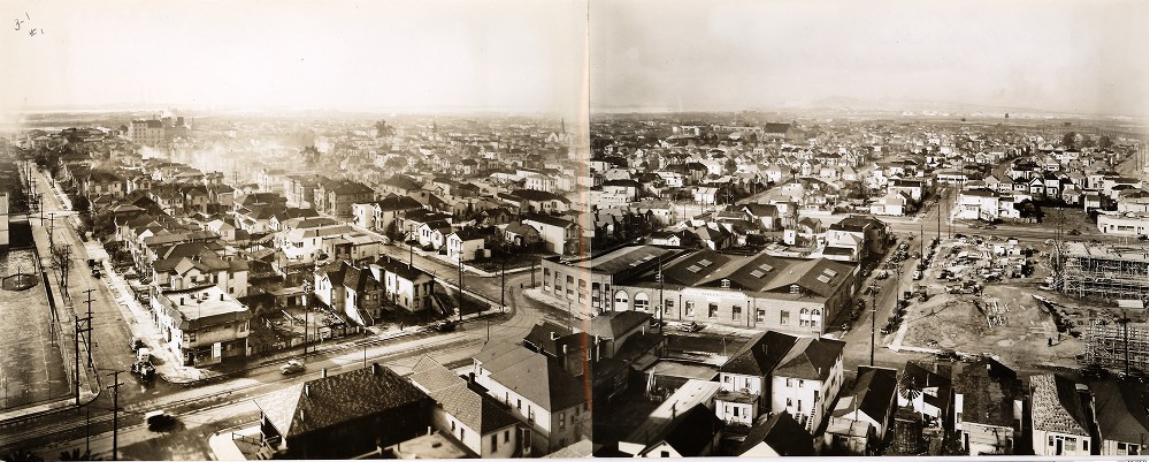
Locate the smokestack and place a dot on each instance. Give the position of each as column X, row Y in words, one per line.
column 376, row 369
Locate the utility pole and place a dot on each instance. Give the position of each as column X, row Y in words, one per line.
column 873, row 324
column 89, row 318
column 661, row 300
column 79, row 331
column 306, row 312
column 115, row 415
column 460, row 284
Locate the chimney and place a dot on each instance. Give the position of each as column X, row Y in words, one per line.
column 181, row 301
column 221, row 296
column 564, row 350
column 554, row 335
column 673, row 410
column 376, row 369
column 307, row 390
column 323, row 373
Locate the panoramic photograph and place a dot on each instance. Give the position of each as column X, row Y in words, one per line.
column 573, row 229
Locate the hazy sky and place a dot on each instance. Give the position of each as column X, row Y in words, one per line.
column 1087, row 56
column 519, row 55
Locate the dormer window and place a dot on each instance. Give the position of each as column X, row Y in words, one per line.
column 725, row 283
column 795, row 289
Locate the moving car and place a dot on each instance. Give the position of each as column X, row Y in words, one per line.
column 158, row 420
column 291, row 367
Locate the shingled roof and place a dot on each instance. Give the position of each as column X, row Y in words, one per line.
column 1056, row 406
column 785, row 355
column 330, row 401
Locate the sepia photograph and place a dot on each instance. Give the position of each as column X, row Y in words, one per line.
column 573, row 229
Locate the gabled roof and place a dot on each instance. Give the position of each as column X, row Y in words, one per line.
column 873, row 393
column 326, row 402
column 810, row 359
column 614, row 324
column 1122, row 410
column 761, row 355
column 1056, row 406
column 988, row 390
column 532, row 375
column 554, row 340
column 693, row 431
column 782, row 433
column 479, row 412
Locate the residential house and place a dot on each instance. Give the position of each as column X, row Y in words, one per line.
column 479, row 422
column 776, row 436
column 988, row 405
column 1060, row 425
column 684, row 425
column 559, row 235
column 869, row 406
column 780, row 372
column 539, row 392
column 343, row 416
column 1121, row 410
column 201, row 325
column 405, row 286
column 466, row 244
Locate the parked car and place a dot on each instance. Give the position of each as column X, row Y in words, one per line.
column 136, row 344
column 689, row 327
column 1094, row 371
column 446, row 326
column 1135, row 375
column 1074, row 232
column 990, row 227
column 96, row 273
column 291, row 367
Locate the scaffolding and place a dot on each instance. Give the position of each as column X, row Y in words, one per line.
column 1105, row 345
column 1107, row 271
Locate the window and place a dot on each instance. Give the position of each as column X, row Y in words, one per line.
column 1084, row 445
column 795, row 288
column 737, row 312
column 729, row 380
column 789, row 403
column 801, row 383
column 562, row 423
column 760, row 316
column 641, row 302
column 785, row 318
column 725, row 283
column 690, row 309
column 958, row 417
column 665, row 454
column 713, row 310
column 789, row 382
column 519, row 406
column 494, row 443
column 452, row 426
column 667, row 306
column 506, row 436
column 735, row 411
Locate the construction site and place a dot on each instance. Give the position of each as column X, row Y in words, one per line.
column 1111, row 272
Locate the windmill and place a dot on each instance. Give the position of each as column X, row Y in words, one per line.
column 908, row 388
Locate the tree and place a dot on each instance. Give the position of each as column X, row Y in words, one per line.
column 1105, row 142
column 384, row 130
column 21, row 455
column 1069, row 140
column 311, row 156
column 731, row 165
column 81, row 204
